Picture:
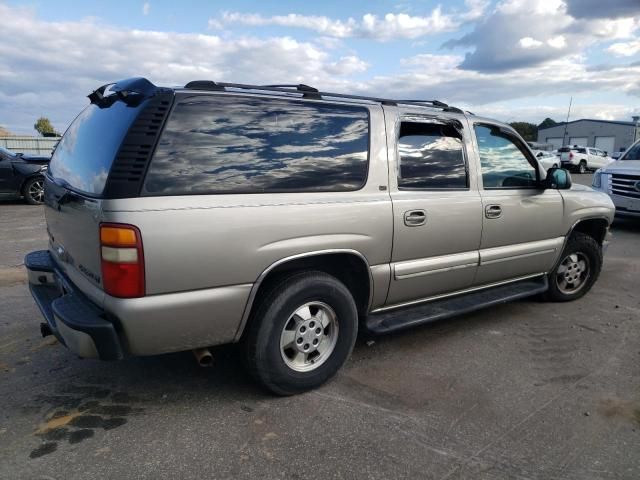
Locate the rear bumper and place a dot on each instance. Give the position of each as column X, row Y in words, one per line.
column 149, row 325
column 75, row 321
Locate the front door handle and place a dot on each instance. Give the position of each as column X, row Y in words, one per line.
column 415, row 218
column 493, row 211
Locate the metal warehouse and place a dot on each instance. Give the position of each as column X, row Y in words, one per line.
column 610, row 136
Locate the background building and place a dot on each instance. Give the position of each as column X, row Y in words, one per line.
column 610, row 136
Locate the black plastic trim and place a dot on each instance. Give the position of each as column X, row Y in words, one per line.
column 130, row 165
column 72, row 308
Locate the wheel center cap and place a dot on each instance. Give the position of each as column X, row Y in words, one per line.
column 308, row 336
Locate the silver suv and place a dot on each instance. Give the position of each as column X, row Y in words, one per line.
column 287, row 219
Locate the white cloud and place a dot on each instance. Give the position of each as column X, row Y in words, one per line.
column 146, row 8
column 475, row 9
column 542, row 29
column 625, row 49
column 528, row 42
column 557, row 42
column 51, row 66
column 390, row 26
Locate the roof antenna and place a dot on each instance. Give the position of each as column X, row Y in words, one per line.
column 564, row 135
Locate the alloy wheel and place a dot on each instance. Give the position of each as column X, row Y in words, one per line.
column 573, row 272
column 309, row 336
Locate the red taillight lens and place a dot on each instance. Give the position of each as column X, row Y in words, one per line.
column 570, row 154
column 122, row 260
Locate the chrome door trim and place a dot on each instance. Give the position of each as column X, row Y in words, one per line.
column 431, row 265
column 258, row 282
column 458, row 292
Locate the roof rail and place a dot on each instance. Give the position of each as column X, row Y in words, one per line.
column 313, row 93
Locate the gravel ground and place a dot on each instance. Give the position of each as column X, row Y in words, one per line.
column 524, row 390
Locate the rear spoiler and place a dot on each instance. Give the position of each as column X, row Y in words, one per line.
column 131, row 91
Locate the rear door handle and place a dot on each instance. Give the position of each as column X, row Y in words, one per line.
column 415, row 218
column 493, row 211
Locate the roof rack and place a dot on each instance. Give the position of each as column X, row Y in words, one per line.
column 313, row 93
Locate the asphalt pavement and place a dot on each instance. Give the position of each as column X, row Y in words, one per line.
column 524, row 390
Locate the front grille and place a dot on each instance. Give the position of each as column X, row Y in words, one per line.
column 625, row 185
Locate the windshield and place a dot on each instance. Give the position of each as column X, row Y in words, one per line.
column 633, row 153
column 7, row 152
column 83, row 157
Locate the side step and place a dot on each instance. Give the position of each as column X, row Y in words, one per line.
column 401, row 318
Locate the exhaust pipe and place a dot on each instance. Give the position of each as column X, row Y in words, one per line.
column 203, row 357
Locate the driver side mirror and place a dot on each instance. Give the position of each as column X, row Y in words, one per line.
column 558, row 178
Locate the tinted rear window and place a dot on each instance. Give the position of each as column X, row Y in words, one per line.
column 85, row 153
column 215, row 144
column 431, row 157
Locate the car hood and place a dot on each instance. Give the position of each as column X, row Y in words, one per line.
column 623, row 166
column 581, row 188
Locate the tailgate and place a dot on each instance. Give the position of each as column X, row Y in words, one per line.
column 73, row 223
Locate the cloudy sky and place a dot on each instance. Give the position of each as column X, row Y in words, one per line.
column 509, row 59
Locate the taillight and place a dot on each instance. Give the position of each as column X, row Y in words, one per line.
column 570, row 155
column 122, row 260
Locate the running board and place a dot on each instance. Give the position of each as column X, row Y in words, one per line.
column 407, row 317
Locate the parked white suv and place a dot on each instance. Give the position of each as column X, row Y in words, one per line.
column 583, row 158
column 621, row 180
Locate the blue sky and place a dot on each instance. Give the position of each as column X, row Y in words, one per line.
column 509, row 59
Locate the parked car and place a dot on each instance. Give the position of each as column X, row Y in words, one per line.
column 617, row 155
column 582, row 159
column 547, row 159
column 621, row 180
column 22, row 176
column 288, row 219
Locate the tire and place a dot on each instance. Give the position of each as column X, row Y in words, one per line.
column 33, row 191
column 279, row 320
column 580, row 262
column 582, row 168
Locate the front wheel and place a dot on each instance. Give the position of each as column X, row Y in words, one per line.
column 33, row 191
column 577, row 271
column 302, row 333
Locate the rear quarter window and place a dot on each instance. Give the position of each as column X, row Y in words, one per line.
column 215, row 144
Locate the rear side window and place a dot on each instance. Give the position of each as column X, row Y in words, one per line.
column 431, row 156
column 216, row 144
column 83, row 157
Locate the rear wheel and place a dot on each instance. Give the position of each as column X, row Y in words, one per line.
column 577, row 271
column 33, row 191
column 303, row 331
column 582, row 168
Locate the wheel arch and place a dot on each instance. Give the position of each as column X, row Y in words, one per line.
column 349, row 266
column 595, row 227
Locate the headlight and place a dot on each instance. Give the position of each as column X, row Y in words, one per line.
column 597, row 179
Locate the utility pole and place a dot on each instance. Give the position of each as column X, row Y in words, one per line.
column 564, row 135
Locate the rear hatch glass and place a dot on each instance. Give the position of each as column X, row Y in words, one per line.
column 84, row 156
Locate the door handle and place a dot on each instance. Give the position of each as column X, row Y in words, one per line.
column 493, row 211
column 415, row 218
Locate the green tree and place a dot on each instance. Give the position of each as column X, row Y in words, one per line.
column 43, row 127
column 546, row 123
column 527, row 130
